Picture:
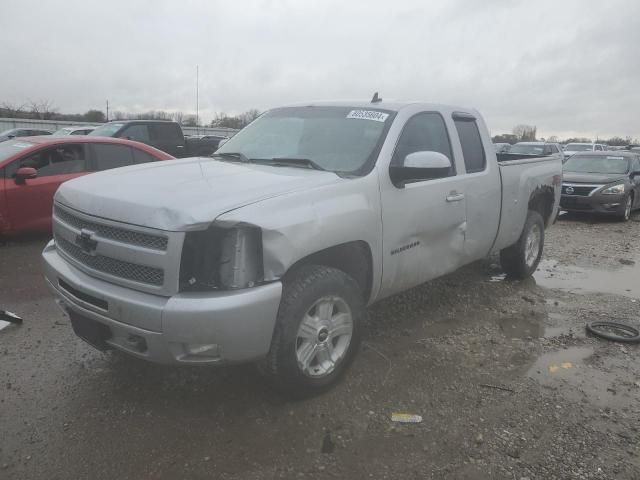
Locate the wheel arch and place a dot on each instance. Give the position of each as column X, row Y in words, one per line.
column 353, row 258
column 541, row 201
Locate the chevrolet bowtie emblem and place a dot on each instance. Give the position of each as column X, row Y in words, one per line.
column 86, row 242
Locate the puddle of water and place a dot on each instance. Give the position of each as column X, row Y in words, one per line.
column 569, row 371
column 622, row 281
column 521, row 327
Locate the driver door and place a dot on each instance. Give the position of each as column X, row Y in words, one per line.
column 424, row 222
column 29, row 203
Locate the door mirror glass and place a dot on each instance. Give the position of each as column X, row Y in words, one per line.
column 25, row 173
column 420, row 166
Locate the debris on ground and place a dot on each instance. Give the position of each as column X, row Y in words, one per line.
column 405, row 418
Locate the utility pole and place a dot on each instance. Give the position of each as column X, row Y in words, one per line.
column 107, row 110
column 197, row 99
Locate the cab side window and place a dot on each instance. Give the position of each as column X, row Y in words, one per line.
column 424, row 132
column 59, row 160
column 475, row 159
column 166, row 133
column 139, row 133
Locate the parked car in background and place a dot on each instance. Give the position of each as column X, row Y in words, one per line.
column 32, row 169
column 572, row 148
column 502, row 147
column 271, row 250
column 537, row 148
column 22, row 132
column 80, row 130
column 602, row 182
column 164, row 135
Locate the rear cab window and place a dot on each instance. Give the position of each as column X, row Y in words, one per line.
column 475, row 159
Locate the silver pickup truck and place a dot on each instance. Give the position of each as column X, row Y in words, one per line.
column 272, row 249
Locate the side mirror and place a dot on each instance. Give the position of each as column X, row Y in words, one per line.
column 635, row 174
column 11, row 135
column 420, row 166
column 25, row 173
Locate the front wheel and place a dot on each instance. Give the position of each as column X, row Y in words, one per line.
column 317, row 332
column 628, row 206
column 521, row 259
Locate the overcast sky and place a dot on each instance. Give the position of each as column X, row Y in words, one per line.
column 567, row 66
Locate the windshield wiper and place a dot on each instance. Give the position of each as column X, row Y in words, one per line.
column 290, row 162
column 232, row 155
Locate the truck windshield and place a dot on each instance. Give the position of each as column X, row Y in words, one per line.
column 527, row 149
column 596, row 164
column 338, row 139
column 107, row 130
column 578, row 147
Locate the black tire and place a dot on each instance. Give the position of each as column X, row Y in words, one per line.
column 627, row 209
column 603, row 330
column 514, row 258
column 301, row 291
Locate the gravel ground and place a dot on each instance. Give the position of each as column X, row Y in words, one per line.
column 508, row 385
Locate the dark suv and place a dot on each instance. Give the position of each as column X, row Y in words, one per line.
column 164, row 135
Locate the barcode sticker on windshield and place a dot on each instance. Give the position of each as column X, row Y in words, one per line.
column 368, row 115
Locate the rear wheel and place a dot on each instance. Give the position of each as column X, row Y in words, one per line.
column 521, row 259
column 317, row 333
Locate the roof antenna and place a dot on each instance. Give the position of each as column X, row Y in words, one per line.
column 376, row 98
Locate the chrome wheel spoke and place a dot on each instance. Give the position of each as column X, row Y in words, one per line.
column 306, row 353
column 324, row 354
column 341, row 325
column 307, row 329
column 324, row 310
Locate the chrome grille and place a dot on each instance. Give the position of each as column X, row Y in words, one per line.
column 578, row 190
column 111, row 266
column 123, row 235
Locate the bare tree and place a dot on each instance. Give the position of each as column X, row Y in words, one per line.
column 42, row 109
column 189, row 121
column 177, row 117
column 12, row 111
column 525, row 133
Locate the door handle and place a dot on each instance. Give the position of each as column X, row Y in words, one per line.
column 179, row 146
column 455, row 197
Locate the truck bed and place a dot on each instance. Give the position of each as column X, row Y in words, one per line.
column 521, row 176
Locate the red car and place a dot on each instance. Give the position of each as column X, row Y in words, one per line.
column 32, row 169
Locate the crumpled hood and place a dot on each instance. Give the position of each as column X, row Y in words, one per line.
column 595, row 178
column 180, row 195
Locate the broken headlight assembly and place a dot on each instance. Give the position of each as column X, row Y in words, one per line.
column 221, row 258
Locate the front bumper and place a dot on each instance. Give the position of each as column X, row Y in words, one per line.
column 202, row 328
column 597, row 203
